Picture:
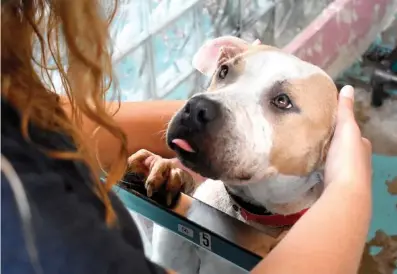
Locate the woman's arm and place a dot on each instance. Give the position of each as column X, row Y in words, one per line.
column 144, row 123
column 329, row 238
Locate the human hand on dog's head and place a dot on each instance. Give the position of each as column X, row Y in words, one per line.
column 349, row 156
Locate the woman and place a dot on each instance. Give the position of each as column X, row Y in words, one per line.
column 56, row 215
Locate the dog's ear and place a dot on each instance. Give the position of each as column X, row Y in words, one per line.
column 208, row 57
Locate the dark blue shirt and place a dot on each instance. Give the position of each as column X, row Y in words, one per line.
column 67, row 224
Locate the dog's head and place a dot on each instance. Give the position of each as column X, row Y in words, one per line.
column 265, row 113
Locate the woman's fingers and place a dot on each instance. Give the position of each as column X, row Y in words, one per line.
column 346, row 103
column 367, row 144
column 346, row 124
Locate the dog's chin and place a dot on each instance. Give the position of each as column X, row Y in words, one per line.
column 207, row 169
column 196, row 161
column 201, row 164
column 201, row 156
column 237, row 178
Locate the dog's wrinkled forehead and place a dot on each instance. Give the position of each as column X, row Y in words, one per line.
column 241, row 70
column 261, row 69
column 261, row 65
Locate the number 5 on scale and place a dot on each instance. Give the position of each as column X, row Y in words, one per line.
column 205, row 240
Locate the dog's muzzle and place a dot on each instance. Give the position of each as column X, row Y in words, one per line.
column 198, row 122
column 199, row 113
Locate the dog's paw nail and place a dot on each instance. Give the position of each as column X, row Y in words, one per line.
column 169, row 199
column 149, row 190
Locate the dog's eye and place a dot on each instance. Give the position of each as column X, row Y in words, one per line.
column 282, row 101
column 223, row 71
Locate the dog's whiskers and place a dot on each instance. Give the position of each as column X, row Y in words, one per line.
column 162, row 133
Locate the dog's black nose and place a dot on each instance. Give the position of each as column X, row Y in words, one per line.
column 199, row 111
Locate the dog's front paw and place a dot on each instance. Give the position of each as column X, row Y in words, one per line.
column 160, row 176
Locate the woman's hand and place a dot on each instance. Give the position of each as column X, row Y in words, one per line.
column 349, row 157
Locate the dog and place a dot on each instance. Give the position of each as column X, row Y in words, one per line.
column 260, row 133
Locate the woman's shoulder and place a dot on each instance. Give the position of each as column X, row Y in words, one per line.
column 53, row 217
column 34, row 167
column 61, row 233
column 55, row 186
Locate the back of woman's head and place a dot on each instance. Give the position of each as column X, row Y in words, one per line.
column 70, row 38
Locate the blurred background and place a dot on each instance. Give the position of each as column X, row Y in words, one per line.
column 155, row 40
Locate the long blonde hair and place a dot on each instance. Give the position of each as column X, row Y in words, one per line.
column 73, row 35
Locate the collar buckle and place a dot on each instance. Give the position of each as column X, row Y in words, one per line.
column 261, row 215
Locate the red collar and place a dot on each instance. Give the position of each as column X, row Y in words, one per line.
column 261, row 215
column 272, row 220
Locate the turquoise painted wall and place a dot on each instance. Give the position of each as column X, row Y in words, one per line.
column 384, row 204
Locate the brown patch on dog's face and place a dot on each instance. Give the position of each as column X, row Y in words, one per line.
column 309, row 126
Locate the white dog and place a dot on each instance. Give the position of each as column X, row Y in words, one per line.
column 261, row 132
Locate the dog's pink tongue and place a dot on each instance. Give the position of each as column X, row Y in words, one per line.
column 183, row 145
